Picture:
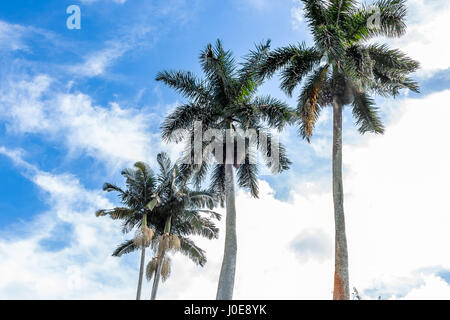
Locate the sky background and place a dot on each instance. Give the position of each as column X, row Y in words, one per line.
column 77, row 106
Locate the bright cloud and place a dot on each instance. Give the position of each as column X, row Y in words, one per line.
column 427, row 34
column 112, row 134
column 397, row 220
column 11, row 37
column 79, row 269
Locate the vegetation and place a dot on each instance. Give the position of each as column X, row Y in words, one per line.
column 166, row 212
column 225, row 101
column 344, row 67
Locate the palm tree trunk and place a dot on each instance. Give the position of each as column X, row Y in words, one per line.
column 157, row 276
column 141, row 269
column 160, row 262
column 226, row 279
column 341, row 277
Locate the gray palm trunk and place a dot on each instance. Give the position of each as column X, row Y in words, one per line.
column 141, row 271
column 157, row 277
column 160, row 262
column 341, row 276
column 227, row 273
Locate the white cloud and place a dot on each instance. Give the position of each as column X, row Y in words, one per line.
column 297, row 15
column 11, row 36
column 397, row 220
column 84, row 268
column 426, row 35
column 111, row 134
column 96, row 63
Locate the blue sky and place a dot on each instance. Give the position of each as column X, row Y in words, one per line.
column 77, row 106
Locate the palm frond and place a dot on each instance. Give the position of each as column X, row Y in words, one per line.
column 186, row 84
column 274, row 111
column 124, row 248
column 308, row 106
column 366, row 114
column 193, row 252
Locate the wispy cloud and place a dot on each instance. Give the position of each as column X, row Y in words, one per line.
column 79, row 270
column 111, row 134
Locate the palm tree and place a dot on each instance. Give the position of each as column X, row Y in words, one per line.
column 139, row 199
column 177, row 217
column 170, row 201
column 343, row 68
column 225, row 101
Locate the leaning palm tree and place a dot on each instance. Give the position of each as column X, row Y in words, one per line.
column 343, row 68
column 166, row 203
column 139, row 199
column 225, row 102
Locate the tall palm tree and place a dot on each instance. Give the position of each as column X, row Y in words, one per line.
column 225, row 101
column 170, row 200
column 139, row 199
column 343, row 68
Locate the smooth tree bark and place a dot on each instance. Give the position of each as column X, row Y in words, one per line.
column 160, row 262
column 141, row 269
column 341, row 276
column 228, row 270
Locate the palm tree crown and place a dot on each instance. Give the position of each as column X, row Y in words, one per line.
column 226, row 99
column 342, row 64
column 163, row 197
column 343, row 68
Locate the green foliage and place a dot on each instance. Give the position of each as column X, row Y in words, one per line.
column 160, row 196
column 224, row 99
column 341, row 66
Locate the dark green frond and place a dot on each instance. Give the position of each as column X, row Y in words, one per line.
column 275, row 112
column 274, row 163
column 185, row 83
column 124, row 248
column 178, row 123
column 111, row 187
column 217, row 184
column 164, row 164
column 193, row 252
column 219, row 67
column 295, row 61
column 391, row 15
column 366, row 114
column 116, row 213
column 331, row 39
column 249, row 70
column 316, row 12
column 247, row 175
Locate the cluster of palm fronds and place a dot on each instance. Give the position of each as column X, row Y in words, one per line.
column 341, row 68
column 165, row 212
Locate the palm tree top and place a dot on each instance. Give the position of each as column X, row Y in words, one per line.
column 344, row 65
column 226, row 98
column 191, row 211
column 227, row 95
